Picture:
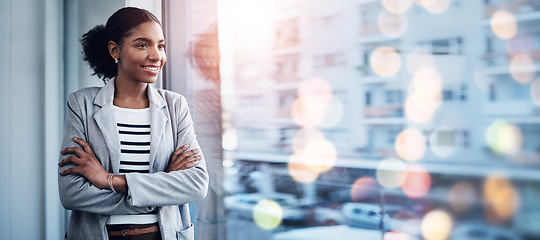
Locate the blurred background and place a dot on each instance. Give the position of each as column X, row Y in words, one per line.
column 345, row 119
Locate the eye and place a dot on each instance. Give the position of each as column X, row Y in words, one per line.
column 161, row 46
column 142, row 45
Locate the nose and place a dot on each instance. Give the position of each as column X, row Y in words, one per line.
column 154, row 54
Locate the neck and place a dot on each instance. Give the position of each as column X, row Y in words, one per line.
column 130, row 93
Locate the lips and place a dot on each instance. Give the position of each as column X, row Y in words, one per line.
column 151, row 69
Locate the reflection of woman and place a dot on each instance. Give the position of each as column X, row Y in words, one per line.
column 130, row 161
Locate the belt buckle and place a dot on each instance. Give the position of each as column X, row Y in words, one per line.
column 124, row 232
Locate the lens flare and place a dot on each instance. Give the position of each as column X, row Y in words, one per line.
column 443, row 141
column 502, row 199
column 436, row 6
column 390, row 173
column 333, row 114
column 418, row 59
column 391, row 24
column 410, row 144
column 522, row 68
column 364, row 188
column 535, row 91
column 385, row 61
column 307, row 112
column 436, row 225
column 396, row 6
column 267, row 214
column 416, row 183
column 462, row 196
column 320, row 155
column 300, row 170
column 504, row 24
column 504, row 138
column 318, row 88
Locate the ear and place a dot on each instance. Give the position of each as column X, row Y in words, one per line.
column 114, row 49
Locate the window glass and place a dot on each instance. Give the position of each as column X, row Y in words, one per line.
column 425, row 111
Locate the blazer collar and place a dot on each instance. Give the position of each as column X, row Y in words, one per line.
column 106, row 95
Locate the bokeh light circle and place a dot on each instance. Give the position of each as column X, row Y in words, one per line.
column 504, row 24
column 396, row 6
column 391, row 173
column 504, row 138
column 535, row 91
column 391, row 24
column 416, row 182
column 320, row 155
column 364, row 188
column 436, row 225
column 333, row 114
column 300, row 170
column 318, row 88
column 410, row 144
column 306, row 111
column 267, row 214
column 522, row 68
column 502, row 199
column 436, row 6
column 443, row 141
column 396, row 236
column 462, row 196
column 426, row 88
column 415, row 113
column 418, row 59
column 385, row 61
column 303, row 136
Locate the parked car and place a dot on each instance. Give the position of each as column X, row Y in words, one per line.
column 480, row 231
column 364, row 215
column 328, row 215
column 242, row 205
column 341, row 232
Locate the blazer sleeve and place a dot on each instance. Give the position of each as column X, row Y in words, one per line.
column 76, row 192
column 177, row 187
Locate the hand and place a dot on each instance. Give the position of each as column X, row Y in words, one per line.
column 87, row 164
column 182, row 159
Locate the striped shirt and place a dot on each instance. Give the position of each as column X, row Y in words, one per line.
column 134, row 133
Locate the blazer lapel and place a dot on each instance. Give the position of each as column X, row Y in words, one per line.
column 104, row 117
column 158, row 121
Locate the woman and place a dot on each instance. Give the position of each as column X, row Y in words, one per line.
column 130, row 162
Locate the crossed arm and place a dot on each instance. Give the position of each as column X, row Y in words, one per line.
column 89, row 167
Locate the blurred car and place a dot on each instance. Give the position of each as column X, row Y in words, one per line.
column 341, row 232
column 479, row 231
column 363, row 215
column 328, row 215
column 242, row 205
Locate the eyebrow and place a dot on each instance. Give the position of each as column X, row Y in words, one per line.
column 146, row 40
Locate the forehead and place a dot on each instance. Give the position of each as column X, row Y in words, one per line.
column 147, row 30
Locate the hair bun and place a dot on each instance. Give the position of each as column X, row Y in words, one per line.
column 96, row 52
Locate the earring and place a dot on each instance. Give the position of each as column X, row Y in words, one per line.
column 115, row 60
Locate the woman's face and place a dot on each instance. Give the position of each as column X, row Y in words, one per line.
column 142, row 54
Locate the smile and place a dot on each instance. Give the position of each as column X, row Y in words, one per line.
column 151, row 69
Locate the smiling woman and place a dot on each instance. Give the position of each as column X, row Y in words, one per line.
column 130, row 162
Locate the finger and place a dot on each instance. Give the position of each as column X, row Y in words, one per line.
column 180, row 163
column 75, row 150
column 69, row 160
column 74, row 170
column 84, row 144
column 179, row 151
column 190, row 164
column 189, row 153
column 189, row 160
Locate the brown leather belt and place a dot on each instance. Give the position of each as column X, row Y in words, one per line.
column 134, row 232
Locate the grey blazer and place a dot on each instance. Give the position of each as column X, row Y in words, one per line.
column 90, row 116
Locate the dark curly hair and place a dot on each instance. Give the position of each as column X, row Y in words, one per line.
column 119, row 26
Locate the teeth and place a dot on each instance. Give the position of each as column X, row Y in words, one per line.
column 151, row 68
